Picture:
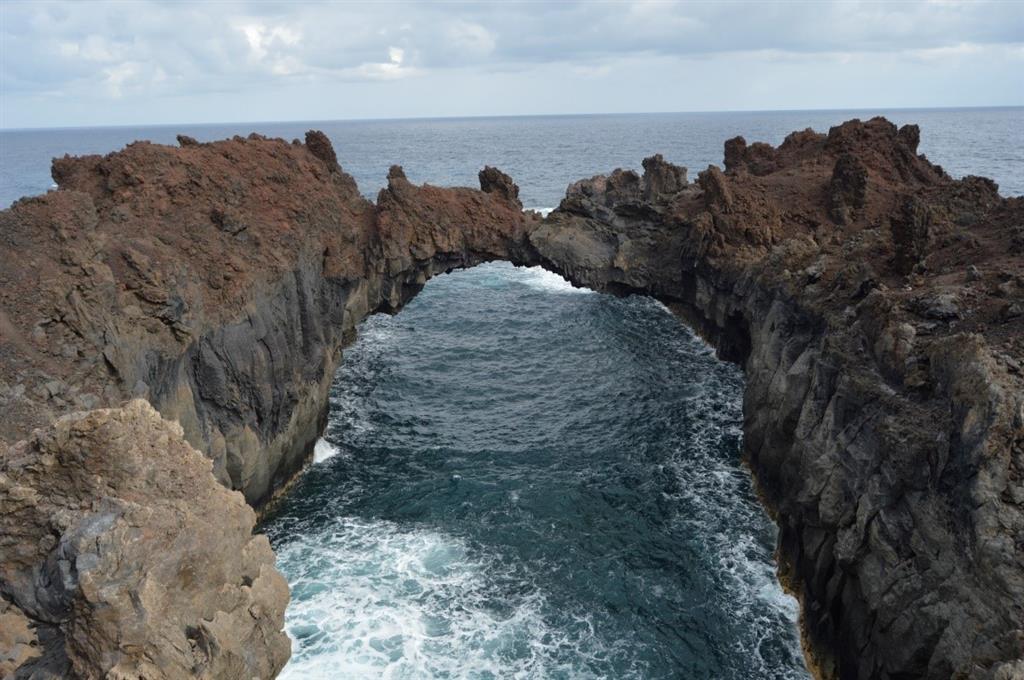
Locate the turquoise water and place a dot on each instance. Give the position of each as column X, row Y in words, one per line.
column 523, row 479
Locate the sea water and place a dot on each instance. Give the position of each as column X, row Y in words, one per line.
column 525, row 479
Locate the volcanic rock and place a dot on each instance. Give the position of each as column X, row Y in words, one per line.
column 494, row 180
column 847, row 190
column 219, row 282
column 884, row 417
column 121, row 556
column 320, row 146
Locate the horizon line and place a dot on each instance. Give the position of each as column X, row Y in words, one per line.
column 506, row 116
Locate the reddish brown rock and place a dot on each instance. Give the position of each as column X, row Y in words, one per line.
column 847, row 189
column 662, row 177
column 219, row 282
column 320, row 146
column 758, row 158
column 494, row 180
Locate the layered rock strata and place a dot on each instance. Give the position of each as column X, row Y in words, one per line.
column 876, row 305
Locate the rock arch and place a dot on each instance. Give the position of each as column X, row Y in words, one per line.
column 220, row 282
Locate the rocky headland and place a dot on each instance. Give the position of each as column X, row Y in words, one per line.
column 171, row 318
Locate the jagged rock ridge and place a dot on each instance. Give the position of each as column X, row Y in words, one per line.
column 219, row 282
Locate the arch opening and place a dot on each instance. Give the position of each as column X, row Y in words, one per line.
column 522, row 476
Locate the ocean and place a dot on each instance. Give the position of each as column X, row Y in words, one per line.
column 521, row 479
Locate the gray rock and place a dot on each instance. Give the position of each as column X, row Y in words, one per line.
column 55, row 388
column 943, row 307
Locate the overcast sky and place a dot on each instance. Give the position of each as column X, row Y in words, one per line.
column 81, row 63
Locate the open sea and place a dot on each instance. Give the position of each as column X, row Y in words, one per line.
column 521, row 479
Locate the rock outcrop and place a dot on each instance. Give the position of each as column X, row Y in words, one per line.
column 871, row 301
column 219, row 282
column 876, row 305
column 122, row 557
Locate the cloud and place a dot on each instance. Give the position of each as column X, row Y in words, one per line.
column 149, row 50
column 388, row 70
column 471, row 38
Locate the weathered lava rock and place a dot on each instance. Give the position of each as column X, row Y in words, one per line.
column 847, row 190
column 662, row 177
column 320, row 146
column 219, row 282
column 494, row 180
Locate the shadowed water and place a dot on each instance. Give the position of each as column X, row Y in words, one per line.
column 523, row 479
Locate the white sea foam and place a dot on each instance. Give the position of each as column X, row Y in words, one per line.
column 324, row 450
column 541, row 279
column 543, row 211
column 371, row 599
column 722, row 509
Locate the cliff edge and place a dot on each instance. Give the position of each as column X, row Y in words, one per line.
column 219, row 283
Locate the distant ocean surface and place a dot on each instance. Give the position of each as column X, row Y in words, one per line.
column 543, row 153
column 520, row 479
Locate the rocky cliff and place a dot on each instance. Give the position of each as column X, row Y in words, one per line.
column 877, row 307
column 219, row 282
column 875, row 304
column 124, row 558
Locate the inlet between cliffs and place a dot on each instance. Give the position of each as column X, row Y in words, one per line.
column 525, row 479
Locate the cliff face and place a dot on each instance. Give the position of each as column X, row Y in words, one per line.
column 219, row 282
column 876, row 307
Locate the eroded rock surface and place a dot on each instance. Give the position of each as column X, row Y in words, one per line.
column 219, row 281
column 122, row 557
column 869, row 298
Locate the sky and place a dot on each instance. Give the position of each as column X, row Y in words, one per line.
column 160, row 62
